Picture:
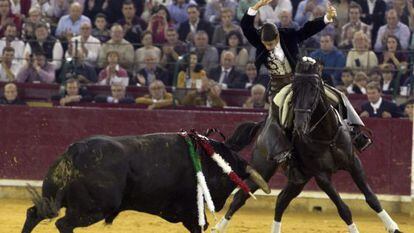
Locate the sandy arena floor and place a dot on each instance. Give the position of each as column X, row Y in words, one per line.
column 12, row 216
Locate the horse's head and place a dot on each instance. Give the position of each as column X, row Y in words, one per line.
column 307, row 86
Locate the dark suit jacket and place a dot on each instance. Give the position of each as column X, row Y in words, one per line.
column 14, row 102
column 235, row 78
column 386, row 106
column 160, row 74
column 377, row 19
column 184, row 29
column 289, row 39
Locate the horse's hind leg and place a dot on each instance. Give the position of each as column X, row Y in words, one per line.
column 324, row 182
column 358, row 175
column 289, row 192
column 266, row 169
column 75, row 219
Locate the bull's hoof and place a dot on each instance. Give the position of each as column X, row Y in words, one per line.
column 397, row 231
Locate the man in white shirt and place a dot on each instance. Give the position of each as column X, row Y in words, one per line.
column 87, row 43
column 270, row 13
column 11, row 40
column 8, row 67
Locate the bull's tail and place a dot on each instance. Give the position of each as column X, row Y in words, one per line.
column 244, row 135
column 46, row 208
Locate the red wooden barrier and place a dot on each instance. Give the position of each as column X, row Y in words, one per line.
column 32, row 138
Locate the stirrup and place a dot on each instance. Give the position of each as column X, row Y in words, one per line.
column 361, row 137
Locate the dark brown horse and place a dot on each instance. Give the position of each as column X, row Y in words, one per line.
column 322, row 146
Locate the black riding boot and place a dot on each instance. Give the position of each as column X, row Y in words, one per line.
column 360, row 138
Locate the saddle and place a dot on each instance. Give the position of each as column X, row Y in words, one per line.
column 283, row 100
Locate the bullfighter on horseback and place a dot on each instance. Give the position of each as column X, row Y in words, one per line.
column 277, row 49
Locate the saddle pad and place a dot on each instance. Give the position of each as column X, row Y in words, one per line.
column 283, row 101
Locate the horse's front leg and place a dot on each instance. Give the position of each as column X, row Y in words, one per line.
column 289, row 192
column 358, row 175
column 324, row 182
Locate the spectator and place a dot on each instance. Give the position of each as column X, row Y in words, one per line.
column 207, row 95
column 77, row 66
column 234, row 44
column 226, row 26
column 46, row 43
column 100, row 31
column 402, row 9
column 119, row 44
column 10, row 39
column 89, row 45
column 252, row 77
column 409, row 109
column 360, row 83
column 346, row 43
column 11, row 95
column 113, row 71
column 191, row 73
column 270, row 12
column 69, row 25
column 377, row 106
column 158, row 24
column 9, row 66
column 332, row 58
column 36, row 69
column 188, row 28
column 158, row 96
column 118, row 95
column 226, row 74
column 92, row 8
column 389, row 86
column 347, row 78
column 285, row 20
column 207, row 55
column 178, row 11
column 147, row 46
column 243, row 6
column 151, row 71
column 305, row 10
column 132, row 24
column 375, row 74
column 257, row 97
column 73, row 93
column 7, row 17
column 355, row 23
column 342, row 8
column 393, row 53
column 171, row 51
column 29, row 25
column 373, row 14
column 360, row 57
column 393, row 27
column 213, row 9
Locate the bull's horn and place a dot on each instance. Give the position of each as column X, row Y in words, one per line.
column 258, row 179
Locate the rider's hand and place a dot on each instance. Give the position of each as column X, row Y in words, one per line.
column 330, row 12
column 260, row 4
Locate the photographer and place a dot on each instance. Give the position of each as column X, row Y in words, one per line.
column 36, row 69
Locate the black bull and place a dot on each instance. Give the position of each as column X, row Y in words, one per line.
column 98, row 177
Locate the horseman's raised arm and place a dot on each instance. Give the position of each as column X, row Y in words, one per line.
column 247, row 23
column 312, row 27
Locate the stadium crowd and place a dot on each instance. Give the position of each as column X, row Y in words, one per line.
column 199, row 45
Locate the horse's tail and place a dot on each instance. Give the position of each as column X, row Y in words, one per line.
column 243, row 135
